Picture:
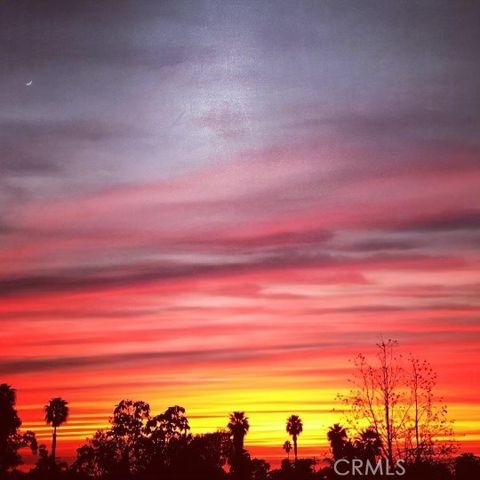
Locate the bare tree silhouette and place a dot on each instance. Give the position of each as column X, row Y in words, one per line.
column 396, row 399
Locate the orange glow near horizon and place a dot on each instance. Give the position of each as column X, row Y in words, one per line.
column 271, row 343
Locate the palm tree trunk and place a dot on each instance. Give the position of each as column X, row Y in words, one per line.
column 54, row 446
column 295, row 450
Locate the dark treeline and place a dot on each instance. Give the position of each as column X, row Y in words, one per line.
column 141, row 446
column 398, row 440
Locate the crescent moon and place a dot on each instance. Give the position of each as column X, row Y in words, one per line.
column 28, row 84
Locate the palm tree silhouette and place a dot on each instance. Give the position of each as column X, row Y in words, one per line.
column 287, row 446
column 294, row 428
column 56, row 413
column 337, row 436
column 238, row 427
column 369, row 444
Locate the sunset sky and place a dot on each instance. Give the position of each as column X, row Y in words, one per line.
column 218, row 203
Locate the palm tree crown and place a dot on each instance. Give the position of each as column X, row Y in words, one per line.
column 294, row 428
column 369, row 444
column 56, row 412
column 294, row 425
column 337, row 436
column 238, row 426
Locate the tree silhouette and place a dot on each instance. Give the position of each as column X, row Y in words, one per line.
column 11, row 440
column 294, row 428
column 368, row 445
column 128, row 424
column 9, row 425
column 207, row 454
column 172, row 423
column 287, row 446
column 43, row 466
column 238, row 427
column 259, row 469
column 337, row 436
column 138, row 445
column 56, row 413
column 467, row 467
column 396, row 398
column 303, row 469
